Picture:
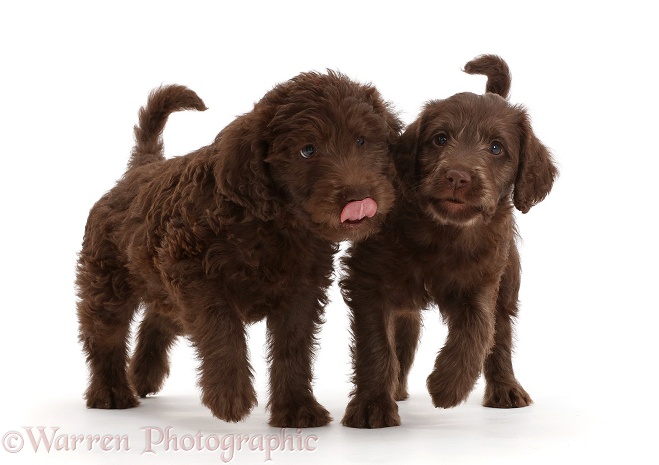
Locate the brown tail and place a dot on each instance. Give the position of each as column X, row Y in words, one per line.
column 152, row 118
column 496, row 70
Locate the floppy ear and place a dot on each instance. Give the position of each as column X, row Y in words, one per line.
column 536, row 170
column 385, row 110
column 240, row 169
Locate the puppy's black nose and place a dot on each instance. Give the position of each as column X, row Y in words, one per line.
column 457, row 178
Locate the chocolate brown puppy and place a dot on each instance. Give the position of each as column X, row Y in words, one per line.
column 242, row 229
column 465, row 163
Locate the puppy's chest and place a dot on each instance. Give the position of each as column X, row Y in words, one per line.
column 262, row 265
column 279, row 284
column 451, row 268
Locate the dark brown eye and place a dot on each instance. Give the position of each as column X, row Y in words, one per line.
column 308, row 151
column 440, row 139
column 360, row 141
column 496, row 148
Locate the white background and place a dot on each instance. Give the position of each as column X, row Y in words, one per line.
column 73, row 75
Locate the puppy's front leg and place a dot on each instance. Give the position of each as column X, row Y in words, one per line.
column 470, row 318
column 376, row 367
column 291, row 337
column 226, row 375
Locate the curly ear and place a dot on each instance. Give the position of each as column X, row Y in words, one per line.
column 240, row 169
column 385, row 110
column 536, row 171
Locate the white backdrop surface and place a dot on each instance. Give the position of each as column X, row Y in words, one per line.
column 73, row 75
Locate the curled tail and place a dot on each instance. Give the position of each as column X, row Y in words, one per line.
column 152, row 118
column 496, row 70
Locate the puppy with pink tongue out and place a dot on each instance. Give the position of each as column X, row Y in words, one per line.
column 243, row 229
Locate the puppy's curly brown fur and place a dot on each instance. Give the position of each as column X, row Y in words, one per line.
column 450, row 241
column 239, row 230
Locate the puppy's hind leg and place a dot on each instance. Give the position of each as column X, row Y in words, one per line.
column 408, row 330
column 502, row 390
column 149, row 365
column 105, row 309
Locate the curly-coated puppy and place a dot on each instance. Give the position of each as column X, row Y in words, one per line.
column 450, row 241
column 239, row 230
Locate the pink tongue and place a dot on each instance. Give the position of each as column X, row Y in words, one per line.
column 359, row 209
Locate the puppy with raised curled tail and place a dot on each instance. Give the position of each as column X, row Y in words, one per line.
column 465, row 163
column 240, row 230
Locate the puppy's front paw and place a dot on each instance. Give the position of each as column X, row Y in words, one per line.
column 446, row 392
column 506, row 396
column 366, row 413
column 230, row 404
column 308, row 414
column 111, row 398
